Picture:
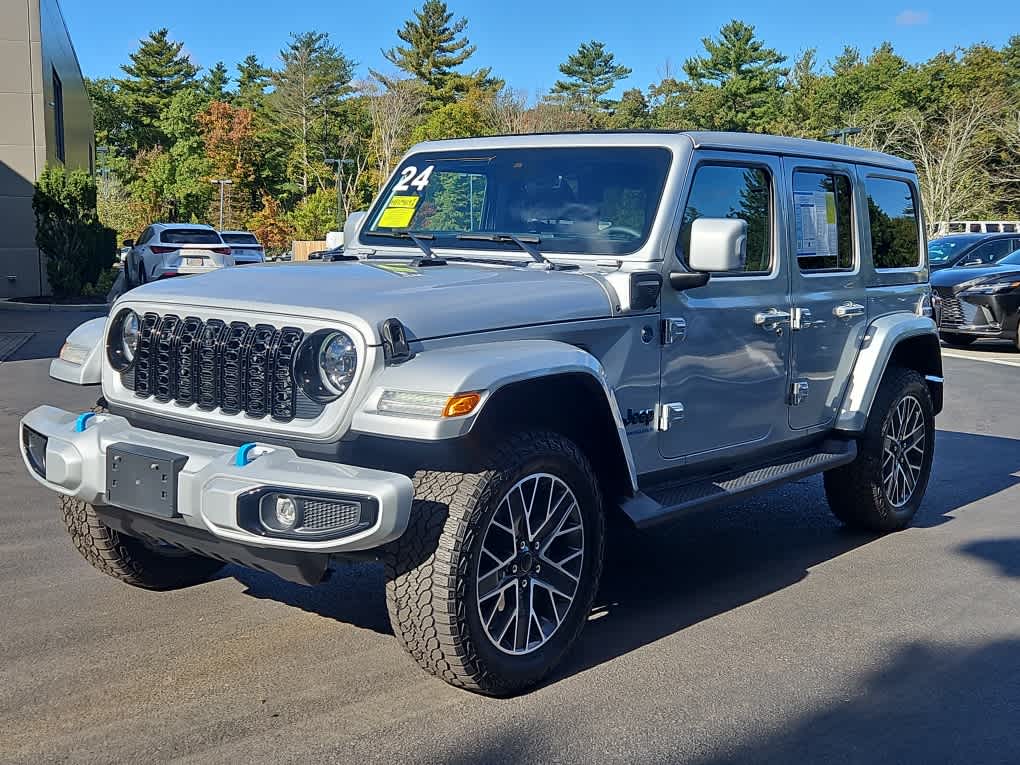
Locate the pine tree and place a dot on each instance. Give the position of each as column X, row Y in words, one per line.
column 215, row 83
column 738, row 85
column 631, row 112
column 158, row 71
column 252, row 79
column 590, row 74
column 434, row 51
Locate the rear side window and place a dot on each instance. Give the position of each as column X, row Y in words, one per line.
column 733, row 191
column 190, row 236
column 240, row 239
column 892, row 210
column 823, row 211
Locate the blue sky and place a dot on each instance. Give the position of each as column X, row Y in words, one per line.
column 524, row 41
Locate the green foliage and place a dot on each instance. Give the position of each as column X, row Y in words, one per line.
column 314, row 216
column 252, row 79
column 434, row 52
column 158, row 71
column 215, row 83
column 590, row 74
column 77, row 246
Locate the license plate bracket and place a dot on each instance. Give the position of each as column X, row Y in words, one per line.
column 143, row 479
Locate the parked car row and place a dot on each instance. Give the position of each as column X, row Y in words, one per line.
column 164, row 250
column 976, row 287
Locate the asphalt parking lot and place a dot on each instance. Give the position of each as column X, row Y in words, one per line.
column 759, row 633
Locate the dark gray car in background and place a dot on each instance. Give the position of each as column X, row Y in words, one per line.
column 970, row 249
column 972, row 302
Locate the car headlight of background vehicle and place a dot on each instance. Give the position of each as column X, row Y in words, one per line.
column 326, row 365
column 992, row 288
column 122, row 341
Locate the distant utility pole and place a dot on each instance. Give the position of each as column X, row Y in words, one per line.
column 842, row 133
column 223, row 183
column 339, row 204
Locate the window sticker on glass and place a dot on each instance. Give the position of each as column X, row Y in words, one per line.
column 816, row 224
column 398, row 212
column 408, row 179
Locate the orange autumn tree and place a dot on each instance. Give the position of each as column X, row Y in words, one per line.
column 271, row 226
column 229, row 133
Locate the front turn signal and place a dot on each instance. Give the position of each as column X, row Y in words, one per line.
column 461, row 404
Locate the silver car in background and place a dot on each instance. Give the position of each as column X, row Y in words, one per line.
column 245, row 247
column 175, row 249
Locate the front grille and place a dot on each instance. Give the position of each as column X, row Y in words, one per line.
column 237, row 368
column 950, row 310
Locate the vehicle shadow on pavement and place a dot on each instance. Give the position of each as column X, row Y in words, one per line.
column 929, row 703
column 707, row 564
column 1004, row 554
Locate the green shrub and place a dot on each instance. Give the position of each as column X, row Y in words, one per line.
column 103, row 284
column 77, row 246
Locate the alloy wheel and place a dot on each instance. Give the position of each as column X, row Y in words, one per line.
column 530, row 563
column 904, row 439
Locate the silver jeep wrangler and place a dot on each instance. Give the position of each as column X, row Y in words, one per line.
column 529, row 335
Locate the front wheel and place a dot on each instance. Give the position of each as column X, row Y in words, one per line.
column 882, row 489
column 494, row 578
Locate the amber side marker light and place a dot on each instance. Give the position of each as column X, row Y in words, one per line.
column 461, row 404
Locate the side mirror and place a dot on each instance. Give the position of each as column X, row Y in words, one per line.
column 718, row 244
column 128, row 243
column 351, row 227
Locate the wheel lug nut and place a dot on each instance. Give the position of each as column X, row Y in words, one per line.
column 524, row 583
column 513, row 569
column 538, row 568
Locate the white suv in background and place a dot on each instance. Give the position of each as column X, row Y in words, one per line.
column 175, row 249
column 245, row 246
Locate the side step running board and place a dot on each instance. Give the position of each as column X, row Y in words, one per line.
column 667, row 501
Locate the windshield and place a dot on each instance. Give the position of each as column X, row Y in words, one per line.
column 240, row 239
column 596, row 201
column 942, row 250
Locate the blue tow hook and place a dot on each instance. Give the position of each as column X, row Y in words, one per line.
column 243, row 456
column 82, row 421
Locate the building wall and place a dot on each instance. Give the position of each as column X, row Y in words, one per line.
column 34, row 43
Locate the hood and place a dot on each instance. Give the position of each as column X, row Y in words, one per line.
column 431, row 301
column 953, row 277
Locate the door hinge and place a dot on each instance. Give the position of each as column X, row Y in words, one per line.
column 669, row 414
column 674, row 330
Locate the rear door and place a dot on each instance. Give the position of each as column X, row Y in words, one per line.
column 829, row 299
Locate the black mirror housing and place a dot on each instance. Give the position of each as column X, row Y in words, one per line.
column 686, row 280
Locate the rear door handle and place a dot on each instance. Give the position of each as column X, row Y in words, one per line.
column 848, row 310
column 771, row 319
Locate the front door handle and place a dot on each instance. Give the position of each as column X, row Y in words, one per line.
column 848, row 310
column 771, row 319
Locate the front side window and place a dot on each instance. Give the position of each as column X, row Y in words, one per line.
column 823, row 214
column 733, row 191
column 595, row 201
column 892, row 210
column 989, row 252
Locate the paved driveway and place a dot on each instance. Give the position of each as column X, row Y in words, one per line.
column 762, row 633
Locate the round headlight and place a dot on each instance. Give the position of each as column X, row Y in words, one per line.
column 338, row 361
column 122, row 342
column 325, row 365
column 130, row 328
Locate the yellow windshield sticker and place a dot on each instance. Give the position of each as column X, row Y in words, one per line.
column 398, row 212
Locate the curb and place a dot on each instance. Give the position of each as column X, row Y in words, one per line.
column 8, row 304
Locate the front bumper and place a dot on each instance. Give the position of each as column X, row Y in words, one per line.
column 990, row 316
column 211, row 484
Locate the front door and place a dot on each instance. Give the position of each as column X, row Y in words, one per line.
column 829, row 300
column 726, row 345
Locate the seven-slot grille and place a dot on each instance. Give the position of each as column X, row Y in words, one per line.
column 235, row 367
column 951, row 312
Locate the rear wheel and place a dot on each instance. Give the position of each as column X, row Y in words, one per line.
column 953, row 338
column 882, row 489
column 494, row 579
column 142, row 278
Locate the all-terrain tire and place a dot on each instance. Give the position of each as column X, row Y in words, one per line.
column 128, row 558
column 856, row 492
column 954, row 338
column 431, row 569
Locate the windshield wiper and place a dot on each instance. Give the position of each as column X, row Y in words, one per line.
column 525, row 241
column 419, row 238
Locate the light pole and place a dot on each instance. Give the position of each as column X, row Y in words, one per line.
column 104, row 169
column 842, row 133
column 339, row 164
column 223, row 183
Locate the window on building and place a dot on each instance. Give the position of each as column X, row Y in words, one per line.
column 892, row 210
column 58, row 116
column 823, row 212
column 733, row 191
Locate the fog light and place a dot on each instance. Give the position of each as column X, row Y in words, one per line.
column 35, row 449
column 286, row 512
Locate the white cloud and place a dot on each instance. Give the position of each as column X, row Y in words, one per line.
column 911, row 18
